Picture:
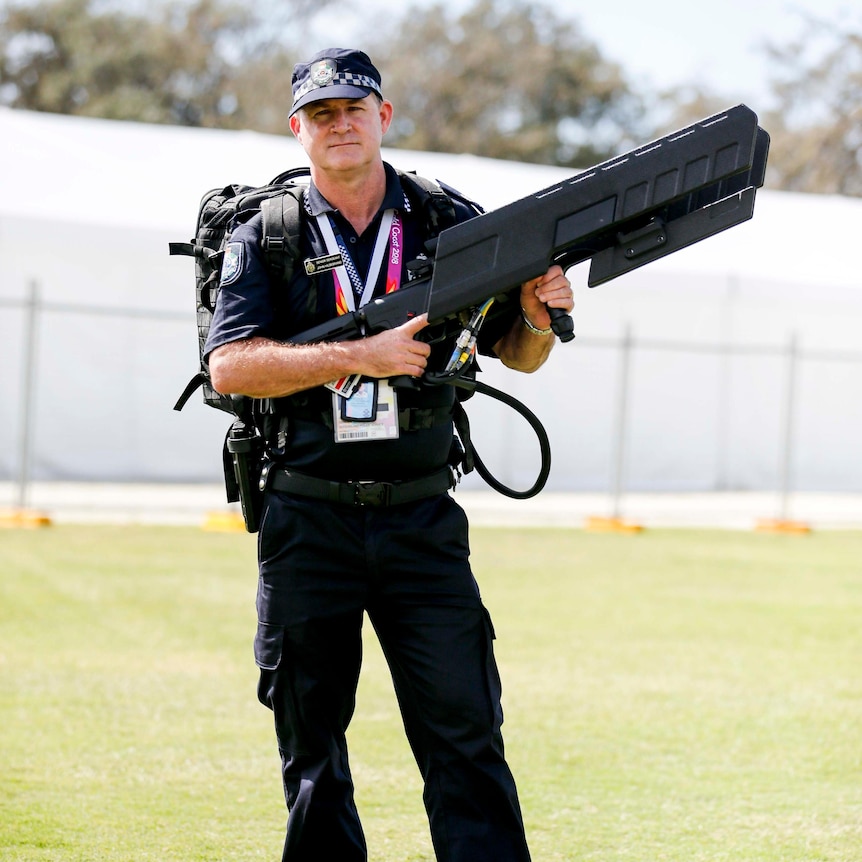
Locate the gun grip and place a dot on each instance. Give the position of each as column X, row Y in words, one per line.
column 562, row 324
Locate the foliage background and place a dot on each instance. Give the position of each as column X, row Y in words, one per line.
column 501, row 78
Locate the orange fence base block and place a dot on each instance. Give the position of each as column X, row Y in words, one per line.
column 598, row 524
column 23, row 519
column 223, row 522
column 778, row 525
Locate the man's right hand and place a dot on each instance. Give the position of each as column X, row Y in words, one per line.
column 395, row 352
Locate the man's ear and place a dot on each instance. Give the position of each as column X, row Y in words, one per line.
column 386, row 111
column 295, row 126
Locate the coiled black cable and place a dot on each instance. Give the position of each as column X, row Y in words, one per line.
column 542, row 436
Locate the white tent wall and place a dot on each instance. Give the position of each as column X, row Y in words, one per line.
column 87, row 208
column 707, row 389
column 105, row 380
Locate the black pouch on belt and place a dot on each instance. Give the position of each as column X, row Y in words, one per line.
column 243, row 456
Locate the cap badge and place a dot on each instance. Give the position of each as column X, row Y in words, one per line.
column 323, row 72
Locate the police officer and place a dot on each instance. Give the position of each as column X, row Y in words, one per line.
column 357, row 516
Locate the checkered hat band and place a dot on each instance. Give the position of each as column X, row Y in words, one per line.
column 337, row 79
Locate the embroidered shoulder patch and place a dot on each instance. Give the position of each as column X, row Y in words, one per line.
column 232, row 264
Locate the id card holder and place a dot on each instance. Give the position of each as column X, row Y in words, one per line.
column 371, row 413
column 361, row 405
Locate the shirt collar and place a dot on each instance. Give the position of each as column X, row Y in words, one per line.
column 393, row 198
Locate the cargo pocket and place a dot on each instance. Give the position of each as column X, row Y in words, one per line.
column 268, row 646
column 276, row 688
column 492, row 674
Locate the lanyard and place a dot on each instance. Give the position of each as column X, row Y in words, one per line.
column 389, row 233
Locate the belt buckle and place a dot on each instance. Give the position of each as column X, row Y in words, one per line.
column 371, row 493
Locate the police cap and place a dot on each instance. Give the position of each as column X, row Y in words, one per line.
column 334, row 73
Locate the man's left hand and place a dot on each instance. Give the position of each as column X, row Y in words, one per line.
column 551, row 289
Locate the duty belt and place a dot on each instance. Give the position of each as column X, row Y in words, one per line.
column 374, row 494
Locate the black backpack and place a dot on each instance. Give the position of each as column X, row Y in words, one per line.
column 220, row 210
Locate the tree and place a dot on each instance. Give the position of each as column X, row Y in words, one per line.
column 507, row 80
column 196, row 63
column 67, row 57
column 815, row 121
column 503, row 79
column 681, row 106
column 816, row 127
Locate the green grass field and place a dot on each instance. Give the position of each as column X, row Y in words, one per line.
column 676, row 695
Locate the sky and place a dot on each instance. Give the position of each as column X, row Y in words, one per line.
column 666, row 43
column 719, row 44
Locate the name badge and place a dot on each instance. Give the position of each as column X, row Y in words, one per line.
column 326, row 263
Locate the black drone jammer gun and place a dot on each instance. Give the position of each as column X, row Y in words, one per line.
column 621, row 214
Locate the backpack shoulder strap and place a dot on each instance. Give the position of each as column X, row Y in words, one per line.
column 436, row 199
column 430, row 198
column 282, row 229
column 282, row 225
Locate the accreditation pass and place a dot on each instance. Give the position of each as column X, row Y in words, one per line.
column 370, row 413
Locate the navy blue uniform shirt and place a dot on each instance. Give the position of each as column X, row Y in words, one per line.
column 250, row 303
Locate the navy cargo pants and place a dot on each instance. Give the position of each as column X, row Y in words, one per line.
column 322, row 566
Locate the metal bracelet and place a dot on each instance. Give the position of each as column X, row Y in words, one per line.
column 531, row 326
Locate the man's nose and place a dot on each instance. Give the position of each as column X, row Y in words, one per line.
column 341, row 121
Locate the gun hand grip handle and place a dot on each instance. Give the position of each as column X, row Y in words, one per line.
column 562, row 324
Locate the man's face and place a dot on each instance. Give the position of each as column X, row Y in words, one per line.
column 342, row 134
